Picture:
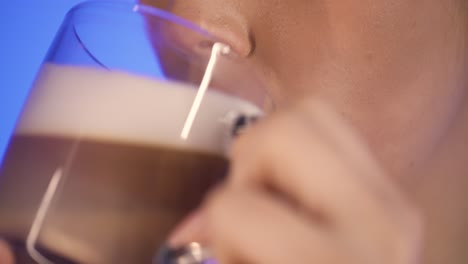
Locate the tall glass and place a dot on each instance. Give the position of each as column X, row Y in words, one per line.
column 124, row 131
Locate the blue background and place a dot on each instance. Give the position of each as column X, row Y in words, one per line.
column 26, row 32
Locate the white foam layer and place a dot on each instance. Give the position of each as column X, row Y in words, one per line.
column 116, row 106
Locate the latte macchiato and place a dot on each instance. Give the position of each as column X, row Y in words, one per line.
column 127, row 176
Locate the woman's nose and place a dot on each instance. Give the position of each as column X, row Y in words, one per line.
column 223, row 19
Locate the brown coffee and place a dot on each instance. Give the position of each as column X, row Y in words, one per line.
column 110, row 192
column 126, row 175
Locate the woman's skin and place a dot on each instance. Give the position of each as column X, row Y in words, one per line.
column 365, row 159
column 392, row 71
column 6, row 256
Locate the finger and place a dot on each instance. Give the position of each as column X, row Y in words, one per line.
column 6, row 255
column 299, row 159
column 192, row 229
column 350, row 145
column 247, row 226
column 291, row 156
column 302, row 163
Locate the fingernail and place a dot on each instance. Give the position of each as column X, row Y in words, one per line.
column 190, row 230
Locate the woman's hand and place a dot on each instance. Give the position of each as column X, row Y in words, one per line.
column 304, row 189
column 6, row 255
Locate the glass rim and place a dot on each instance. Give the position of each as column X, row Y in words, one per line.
column 112, row 7
column 139, row 9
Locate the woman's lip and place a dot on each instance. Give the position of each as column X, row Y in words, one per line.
column 240, row 42
column 226, row 25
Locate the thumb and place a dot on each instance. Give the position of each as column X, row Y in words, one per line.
column 192, row 229
column 6, row 255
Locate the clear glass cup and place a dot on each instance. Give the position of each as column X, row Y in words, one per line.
column 123, row 132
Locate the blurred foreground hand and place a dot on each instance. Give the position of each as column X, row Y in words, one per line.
column 6, row 256
column 303, row 188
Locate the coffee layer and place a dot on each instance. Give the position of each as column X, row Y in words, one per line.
column 116, row 203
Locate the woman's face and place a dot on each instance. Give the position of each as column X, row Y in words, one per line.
column 384, row 65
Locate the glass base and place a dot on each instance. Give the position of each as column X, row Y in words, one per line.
column 192, row 253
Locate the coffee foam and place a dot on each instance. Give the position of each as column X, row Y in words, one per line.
column 81, row 102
